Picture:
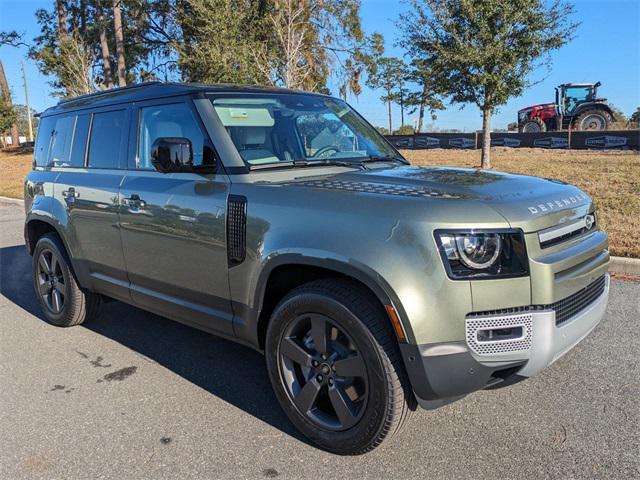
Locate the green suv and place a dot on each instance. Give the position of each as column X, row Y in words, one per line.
column 284, row 221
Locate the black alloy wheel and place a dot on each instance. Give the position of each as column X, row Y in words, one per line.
column 50, row 281
column 323, row 372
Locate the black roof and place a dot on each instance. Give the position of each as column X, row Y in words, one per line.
column 151, row 90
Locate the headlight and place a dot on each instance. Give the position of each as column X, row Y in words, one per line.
column 477, row 254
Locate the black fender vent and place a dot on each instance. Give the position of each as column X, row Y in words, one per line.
column 236, row 229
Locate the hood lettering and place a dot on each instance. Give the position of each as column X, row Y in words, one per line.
column 556, row 204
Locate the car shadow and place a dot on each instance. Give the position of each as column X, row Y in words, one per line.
column 230, row 371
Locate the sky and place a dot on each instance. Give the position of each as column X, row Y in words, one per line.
column 606, row 49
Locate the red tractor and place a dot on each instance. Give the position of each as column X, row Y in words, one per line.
column 576, row 106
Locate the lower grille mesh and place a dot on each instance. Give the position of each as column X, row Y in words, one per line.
column 574, row 304
column 565, row 309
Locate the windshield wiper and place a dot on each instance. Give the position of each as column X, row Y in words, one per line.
column 325, row 162
column 382, row 158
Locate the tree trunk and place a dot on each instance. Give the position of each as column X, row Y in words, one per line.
column 62, row 19
column 104, row 47
column 423, row 104
column 390, row 124
column 117, row 22
column 6, row 96
column 486, row 137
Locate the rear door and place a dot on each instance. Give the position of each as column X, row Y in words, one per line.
column 173, row 224
column 87, row 188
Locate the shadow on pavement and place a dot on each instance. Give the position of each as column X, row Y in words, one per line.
column 232, row 372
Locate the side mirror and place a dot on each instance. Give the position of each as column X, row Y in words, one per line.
column 172, row 154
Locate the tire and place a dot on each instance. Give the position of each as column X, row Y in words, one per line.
column 595, row 120
column 373, row 383
column 63, row 302
column 533, row 125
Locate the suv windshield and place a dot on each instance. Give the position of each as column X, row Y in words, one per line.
column 269, row 129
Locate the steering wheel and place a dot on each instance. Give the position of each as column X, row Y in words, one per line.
column 325, row 149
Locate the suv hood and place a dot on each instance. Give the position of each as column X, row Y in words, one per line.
column 526, row 202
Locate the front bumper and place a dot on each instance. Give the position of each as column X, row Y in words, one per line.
column 442, row 373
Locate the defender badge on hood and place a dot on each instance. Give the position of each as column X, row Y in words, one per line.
column 557, row 204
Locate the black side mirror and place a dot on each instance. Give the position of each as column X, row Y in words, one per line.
column 172, row 154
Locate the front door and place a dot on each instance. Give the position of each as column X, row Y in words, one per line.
column 173, row 225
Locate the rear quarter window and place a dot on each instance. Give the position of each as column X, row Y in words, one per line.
column 107, row 133
column 43, row 142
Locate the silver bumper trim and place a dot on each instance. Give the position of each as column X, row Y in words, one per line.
column 548, row 341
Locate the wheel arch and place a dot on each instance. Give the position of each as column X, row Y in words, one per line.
column 36, row 226
column 592, row 106
column 298, row 269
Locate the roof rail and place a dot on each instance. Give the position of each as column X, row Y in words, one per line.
column 111, row 90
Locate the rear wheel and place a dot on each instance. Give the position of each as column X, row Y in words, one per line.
column 533, row 125
column 63, row 302
column 334, row 365
column 594, row 120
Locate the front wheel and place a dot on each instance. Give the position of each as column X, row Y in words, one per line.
column 533, row 125
column 335, row 367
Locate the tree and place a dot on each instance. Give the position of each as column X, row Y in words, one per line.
column 7, row 108
column 117, row 23
column 22, row 120
column 389, row 72
column 405, row 130
column 634, row 119
column 219, row 38
column 11, row 38
column 107, row 71
column 7, row 120
column 483, row 51
column 309, row 40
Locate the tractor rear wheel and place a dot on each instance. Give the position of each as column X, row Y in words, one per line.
column 533, row 125
column 594, row 119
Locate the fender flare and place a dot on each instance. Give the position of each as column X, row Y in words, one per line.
column 595, row 105
column 31, row 217
column 360, row 272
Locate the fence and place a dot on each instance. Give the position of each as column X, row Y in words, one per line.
column 614, row 139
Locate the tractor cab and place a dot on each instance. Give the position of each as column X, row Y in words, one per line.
column 570, row 95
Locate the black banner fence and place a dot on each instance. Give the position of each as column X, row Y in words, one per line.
column 613, row 139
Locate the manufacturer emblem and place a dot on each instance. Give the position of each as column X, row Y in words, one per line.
column 589, row 220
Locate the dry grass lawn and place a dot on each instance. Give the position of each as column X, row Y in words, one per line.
column 612, row 179
column 14, row 166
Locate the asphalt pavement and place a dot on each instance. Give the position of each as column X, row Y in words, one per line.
column 133, row 395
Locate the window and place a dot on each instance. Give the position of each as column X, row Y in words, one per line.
column 268, row 129
column 61, row 138
column 43, row 141
column 107, row 133
column 575, row 95
column 170, row 120
column 79, row 147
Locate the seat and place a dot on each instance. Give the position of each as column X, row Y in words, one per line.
column 251, row 144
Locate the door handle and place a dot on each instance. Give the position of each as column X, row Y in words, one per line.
column 134, row 201
column 70, row 193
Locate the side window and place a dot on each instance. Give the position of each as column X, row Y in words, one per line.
column 107, row 132
column 169, row 120
column 79, row 147
column 43, row 142
column 60, row 149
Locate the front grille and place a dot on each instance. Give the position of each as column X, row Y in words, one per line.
column 569, row 235
column 565, row 309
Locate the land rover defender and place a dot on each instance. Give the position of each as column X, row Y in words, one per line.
column 284, row 221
